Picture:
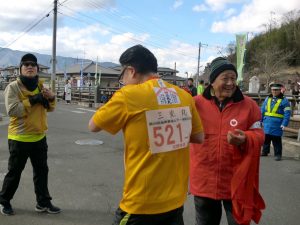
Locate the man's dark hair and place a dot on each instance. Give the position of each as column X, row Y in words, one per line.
column 201, row 81
column 140, row 58
column 191, row 79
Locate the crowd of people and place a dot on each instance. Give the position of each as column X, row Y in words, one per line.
column 205, row 140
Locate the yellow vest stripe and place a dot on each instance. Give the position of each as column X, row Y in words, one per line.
column 274, row 110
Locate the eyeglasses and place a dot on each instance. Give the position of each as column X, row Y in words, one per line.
column 32, row 64
column 120, row 79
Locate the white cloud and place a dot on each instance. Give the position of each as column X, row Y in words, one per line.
column 254, row 15
column 15, row 15
column 229, row 12
column 87, row 41
column 215, row 5
column 200, row 8
column 177, row 4
column 185, row 56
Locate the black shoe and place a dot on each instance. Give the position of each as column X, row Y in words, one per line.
column 49, row 208
column 6, row 209
column 264, row 154
column 277, row 157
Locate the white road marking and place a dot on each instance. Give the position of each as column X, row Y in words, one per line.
column 75, row 111
column 89, row 110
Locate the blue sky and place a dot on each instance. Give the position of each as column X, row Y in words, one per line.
column 171, row 29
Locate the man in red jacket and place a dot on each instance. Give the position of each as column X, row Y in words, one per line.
column 224, row 168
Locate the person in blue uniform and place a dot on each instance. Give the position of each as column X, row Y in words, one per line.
column 276, row 113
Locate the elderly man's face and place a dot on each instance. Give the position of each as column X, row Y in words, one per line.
column 29, row 69
column 225, row 85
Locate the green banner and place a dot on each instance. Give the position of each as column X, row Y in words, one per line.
column 241, row 40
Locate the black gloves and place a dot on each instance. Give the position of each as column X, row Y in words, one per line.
column 39, row 98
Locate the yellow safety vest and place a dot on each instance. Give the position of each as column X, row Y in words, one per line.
column 274, row 110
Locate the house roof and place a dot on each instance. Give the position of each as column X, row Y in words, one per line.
column 173, row 77
column 159, row 69
column 89, row 68
column 165, row 69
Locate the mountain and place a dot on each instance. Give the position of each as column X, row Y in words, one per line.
column 9, row 57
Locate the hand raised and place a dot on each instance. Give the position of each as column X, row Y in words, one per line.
column 236, row 137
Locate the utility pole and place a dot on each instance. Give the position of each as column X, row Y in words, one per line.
column 53, row 75
column 198, row 67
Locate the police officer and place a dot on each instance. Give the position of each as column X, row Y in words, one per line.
column 276, row 112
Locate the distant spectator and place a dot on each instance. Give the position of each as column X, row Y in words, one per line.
column 200, row 87
column 68, row 92
column 192, row 88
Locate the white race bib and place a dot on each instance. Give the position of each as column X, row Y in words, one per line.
column 169, row 129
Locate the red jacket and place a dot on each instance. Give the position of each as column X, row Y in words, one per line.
column 213, row 162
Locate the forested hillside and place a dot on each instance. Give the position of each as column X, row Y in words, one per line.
column 270, row 54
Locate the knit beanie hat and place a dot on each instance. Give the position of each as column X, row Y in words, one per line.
column 28, row 57
column 217, row 66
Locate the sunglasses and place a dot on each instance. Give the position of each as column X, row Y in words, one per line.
column 120, row 79
column 32, row 64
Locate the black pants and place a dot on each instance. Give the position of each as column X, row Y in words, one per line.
column 173, row 217
column 19, row 153
column 209, row 211
column 277, row 144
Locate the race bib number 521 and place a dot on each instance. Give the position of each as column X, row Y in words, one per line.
column 169, row 129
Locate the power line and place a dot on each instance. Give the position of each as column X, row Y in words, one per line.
column 28, row 29
column 152, row 43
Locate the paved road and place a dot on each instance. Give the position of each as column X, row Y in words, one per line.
column 86, row 181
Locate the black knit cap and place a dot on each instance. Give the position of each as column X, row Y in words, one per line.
column 29, row 57
column 217, row 66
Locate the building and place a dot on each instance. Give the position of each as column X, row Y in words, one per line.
column 166, row 74
column 10, row 73
column 107, row 77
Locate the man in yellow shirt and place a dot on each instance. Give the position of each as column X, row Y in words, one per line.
column 27, row 103
column 158, row 121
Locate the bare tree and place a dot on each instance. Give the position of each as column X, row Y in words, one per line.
column 230, row 50
column 270, row 61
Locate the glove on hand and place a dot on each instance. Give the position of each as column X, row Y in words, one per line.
column 45, row 103
column 39, row 98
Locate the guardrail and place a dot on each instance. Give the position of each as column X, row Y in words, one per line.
column 89, row 95
column 294, row 127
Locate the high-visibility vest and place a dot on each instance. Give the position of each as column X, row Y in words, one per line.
column 274, row 110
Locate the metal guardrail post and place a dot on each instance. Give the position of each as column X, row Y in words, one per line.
column 298, row 139
column 89, row 98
